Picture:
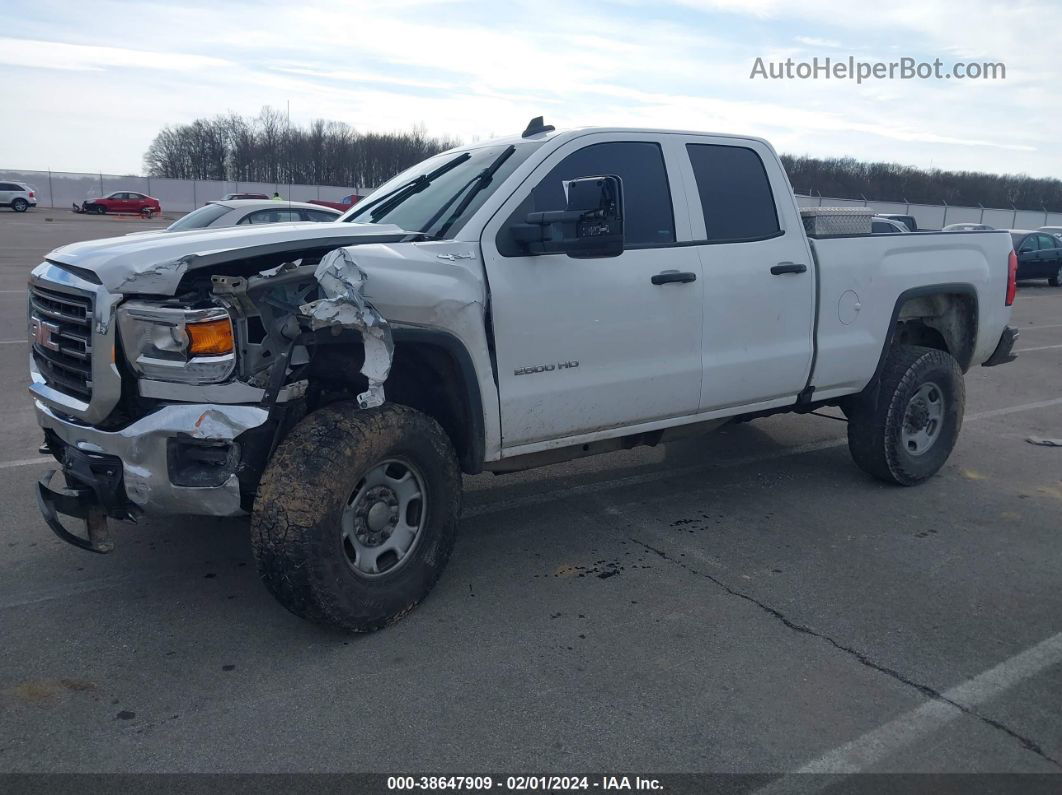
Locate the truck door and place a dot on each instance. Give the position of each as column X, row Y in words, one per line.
column 584, row 345
column 759, row 279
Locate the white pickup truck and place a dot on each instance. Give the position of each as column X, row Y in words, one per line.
column 507, row 305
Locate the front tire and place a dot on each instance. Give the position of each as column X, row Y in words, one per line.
column 356, row 515
column 1055, row 280
column 20, row 205
column 904, row 430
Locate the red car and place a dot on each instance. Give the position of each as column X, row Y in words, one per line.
column 342, row 205
column 122, row 201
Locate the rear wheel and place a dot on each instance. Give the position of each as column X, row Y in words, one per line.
column 904, row 430
column 356, row 515
column 20, row 205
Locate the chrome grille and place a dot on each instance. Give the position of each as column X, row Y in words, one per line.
column 61, row 336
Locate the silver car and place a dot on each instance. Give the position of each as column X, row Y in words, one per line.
column 18, row 196
column 237, row 212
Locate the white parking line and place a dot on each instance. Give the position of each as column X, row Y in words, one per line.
column 24, row 462
column 12, row 342
column 877, row 744
column 1041, row 348
column 1036, row 328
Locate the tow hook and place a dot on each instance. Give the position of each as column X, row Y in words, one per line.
column 79, row 502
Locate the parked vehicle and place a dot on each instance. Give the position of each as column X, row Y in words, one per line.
column 907, row 220
column 1039, row 255
column 18, row 196
column 237, row 196
column 239, row 212
column 1051, row 230
column 122, row 202
column 511, row 304
column 968, row 227
column 882, row 225
column 343, row 204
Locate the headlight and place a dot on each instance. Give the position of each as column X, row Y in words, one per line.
column 190, row 346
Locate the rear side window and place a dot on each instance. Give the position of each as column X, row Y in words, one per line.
column 648, row 219
column 735, row 193
column 1047, row 242
column 9, row 186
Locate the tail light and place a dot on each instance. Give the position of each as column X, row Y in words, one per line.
column 1012, row 278
column 32, row 194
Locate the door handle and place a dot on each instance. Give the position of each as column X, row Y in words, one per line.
column 788, row 267
column 666, row 277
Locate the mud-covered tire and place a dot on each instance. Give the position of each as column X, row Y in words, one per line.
column 296, row 532
column 877, row 418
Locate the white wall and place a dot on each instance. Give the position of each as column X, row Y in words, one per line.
column 60, row 189
column 935, row 216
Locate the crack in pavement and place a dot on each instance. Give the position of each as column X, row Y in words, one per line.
column 862, row 658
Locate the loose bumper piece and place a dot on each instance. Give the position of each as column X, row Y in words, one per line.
column 1004, row 350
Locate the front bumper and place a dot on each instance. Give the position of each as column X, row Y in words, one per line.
column 1004, row 351
column 146, row 466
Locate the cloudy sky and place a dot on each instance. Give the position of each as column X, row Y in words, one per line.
column 86, row 85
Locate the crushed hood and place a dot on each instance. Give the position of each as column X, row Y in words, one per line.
column 154, row 263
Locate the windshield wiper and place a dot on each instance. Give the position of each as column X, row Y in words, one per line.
column 477, row 183
column 393, row 198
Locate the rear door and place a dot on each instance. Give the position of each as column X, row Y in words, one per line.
column 759, row 282
column 7, row 192
column 586, row 345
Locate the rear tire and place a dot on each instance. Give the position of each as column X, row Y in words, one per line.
column 342, row 492
column 904, row 430
column 20, row 205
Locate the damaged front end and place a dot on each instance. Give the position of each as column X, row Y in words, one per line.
column 212, row 379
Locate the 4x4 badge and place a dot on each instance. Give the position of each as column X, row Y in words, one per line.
column 454, row 257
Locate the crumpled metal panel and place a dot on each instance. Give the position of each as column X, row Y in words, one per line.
column 344, row 306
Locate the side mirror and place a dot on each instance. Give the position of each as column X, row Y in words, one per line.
column 591, row 226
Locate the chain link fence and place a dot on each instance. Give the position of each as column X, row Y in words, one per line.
column 62, row 189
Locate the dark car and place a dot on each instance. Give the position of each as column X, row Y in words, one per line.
column 239, row 196
column 1039, row 255
column 906, row 220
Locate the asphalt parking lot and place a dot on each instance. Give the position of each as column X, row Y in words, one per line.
column 747, row 602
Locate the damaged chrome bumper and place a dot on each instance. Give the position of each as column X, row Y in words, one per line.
column 181, row 459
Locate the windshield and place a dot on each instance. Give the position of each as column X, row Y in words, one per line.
column 197, row 219
column 419, row 210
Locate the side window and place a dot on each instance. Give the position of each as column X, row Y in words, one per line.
column 735, row 193
column 648, row 219
column 1047, row 242
column 8, row 186
column 316, row 215
column 881, row 227
column 1028, row 244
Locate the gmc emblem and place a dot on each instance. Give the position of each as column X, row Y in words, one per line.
column 41, row 333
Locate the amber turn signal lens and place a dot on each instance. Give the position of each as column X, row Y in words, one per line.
column 212, row 338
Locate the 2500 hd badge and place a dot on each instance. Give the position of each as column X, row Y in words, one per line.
column 545, row 368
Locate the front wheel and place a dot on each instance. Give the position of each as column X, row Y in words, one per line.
column 904, row 431
column 356, row 515
column 20, row 205
column 1055, row 280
